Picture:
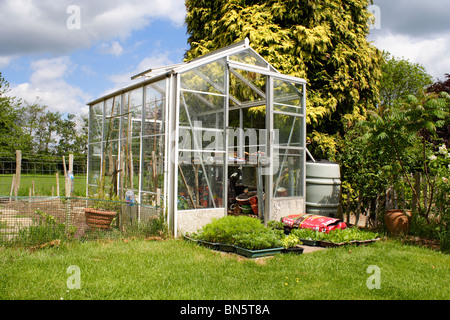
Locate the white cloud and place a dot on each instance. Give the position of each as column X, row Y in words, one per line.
column 5, row 61
column 40, row 26
column 157, row 59
column 432, row 53
column 49, row 87
column 114, row 48
column 416, row 30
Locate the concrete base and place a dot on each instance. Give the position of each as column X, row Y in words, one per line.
column 193, row 220
column 282, row 207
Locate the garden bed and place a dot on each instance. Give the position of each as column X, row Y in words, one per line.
column 335, row 238
column 250, row 238
column 229, row 248
column 244, row 236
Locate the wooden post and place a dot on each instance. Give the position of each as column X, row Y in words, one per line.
column 57, row 184
column 68, row 191
column 18, row 170
column 68, row 182
column 12, row 186
column 71, row 162
column 64, row 165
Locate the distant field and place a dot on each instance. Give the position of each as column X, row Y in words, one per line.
column 42, row 185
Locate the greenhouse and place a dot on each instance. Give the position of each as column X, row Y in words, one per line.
column 218, row 135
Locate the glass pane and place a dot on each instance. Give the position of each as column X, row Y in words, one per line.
column 288, row 179
column 154, row 108
column 112, row 118
column 200, row 105
column 151, row 199
column 246, row 87
column 94, row 154
column 132, row 109
column 130, row 161
column 249, row 57
column 111, row 158
column 207, row 78
column 201, row 122
column 289, row 130
column 153, row 163
column 96, row 122
column 287, row 96
column 193, row 189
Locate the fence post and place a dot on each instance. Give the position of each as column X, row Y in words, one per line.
column 18, row 170
column 12, row 186
column 68, row 190
column 57, row 184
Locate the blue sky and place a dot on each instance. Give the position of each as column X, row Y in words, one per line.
column 62, row 58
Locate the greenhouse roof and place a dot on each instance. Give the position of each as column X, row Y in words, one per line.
column 235, row 53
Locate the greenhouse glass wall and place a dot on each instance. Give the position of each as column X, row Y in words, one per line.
column 221, row 134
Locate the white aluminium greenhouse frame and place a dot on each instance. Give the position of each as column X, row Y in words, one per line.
column 189, row 137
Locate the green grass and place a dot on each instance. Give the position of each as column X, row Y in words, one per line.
column 42, row 185
column 175, row 269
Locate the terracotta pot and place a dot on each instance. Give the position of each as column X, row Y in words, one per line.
column 100, row 219
column 397, row 221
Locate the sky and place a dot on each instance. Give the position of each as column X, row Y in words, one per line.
column 66, row 53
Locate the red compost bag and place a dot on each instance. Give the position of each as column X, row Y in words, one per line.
column 313, row 221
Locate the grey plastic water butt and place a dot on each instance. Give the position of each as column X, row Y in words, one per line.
column 323, row 187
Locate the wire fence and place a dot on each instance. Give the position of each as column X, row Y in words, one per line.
column 31, row 221
column 40, row 175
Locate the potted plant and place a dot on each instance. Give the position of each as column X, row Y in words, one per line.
column 102, row 213
column 99, row 218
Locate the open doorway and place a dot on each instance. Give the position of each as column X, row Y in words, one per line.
column 247, row 143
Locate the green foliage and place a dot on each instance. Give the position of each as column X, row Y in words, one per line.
column 12, row 135
column 290, row 241
column 400, row 79
column 224, row 229
column 323, row 42
column 401, row 133
column 336, row 236
column 47, row 228
column 33, row 129
column 384, row 146
column 258, row 240
column 243, row 231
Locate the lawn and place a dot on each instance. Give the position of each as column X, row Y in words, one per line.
column 178, row 270
column 42, row 185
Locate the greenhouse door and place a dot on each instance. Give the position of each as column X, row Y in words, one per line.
column 248, row 140
column 266, row 142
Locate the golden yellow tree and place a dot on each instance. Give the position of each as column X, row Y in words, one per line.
column 323, row 42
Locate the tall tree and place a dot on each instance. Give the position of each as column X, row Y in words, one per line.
column 321, row 41
column 400, row 79
column 12, row 137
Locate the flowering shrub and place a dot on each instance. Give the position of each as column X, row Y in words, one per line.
column 439, row 166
